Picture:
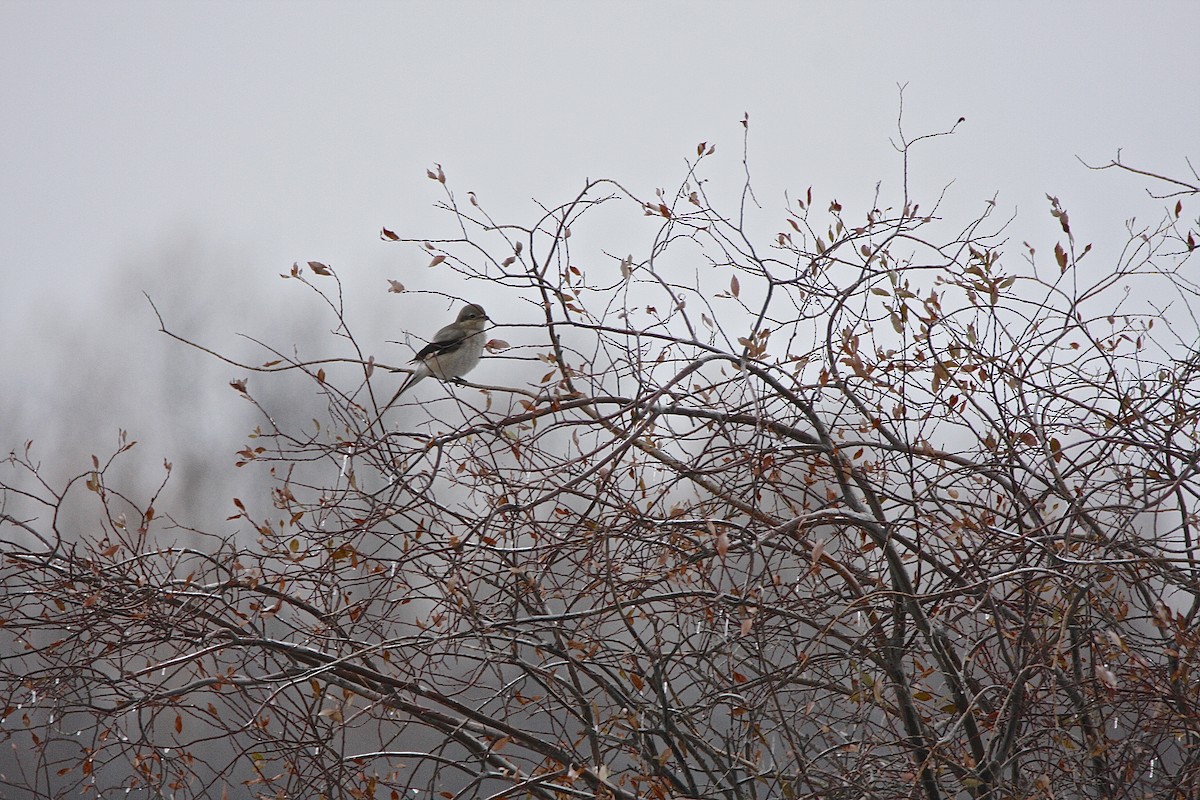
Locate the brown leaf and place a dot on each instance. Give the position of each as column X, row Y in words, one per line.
column 496, row 345
column 437, row 260
column 395, row 286
column 1060, row 256
column 384, row 233
column 319, row 268
column 734, row 287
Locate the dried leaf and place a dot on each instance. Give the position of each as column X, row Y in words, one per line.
column 384, row 233
column 319, row 268
column 722, row 543
column 1060, row 256
column 395, row 286
column 734, row 287
column 437, row 260
column 627, row 266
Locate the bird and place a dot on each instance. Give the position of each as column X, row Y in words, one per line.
column 452, row 352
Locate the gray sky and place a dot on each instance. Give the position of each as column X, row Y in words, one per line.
column 196, row 150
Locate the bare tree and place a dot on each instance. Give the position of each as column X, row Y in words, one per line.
column 824, row 503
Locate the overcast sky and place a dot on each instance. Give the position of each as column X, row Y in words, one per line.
column 196, row 150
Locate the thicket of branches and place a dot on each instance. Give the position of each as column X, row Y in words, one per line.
column 872, row 502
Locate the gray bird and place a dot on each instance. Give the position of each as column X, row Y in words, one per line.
column 453, row 351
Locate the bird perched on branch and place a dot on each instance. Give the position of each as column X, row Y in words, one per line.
column 452, row 352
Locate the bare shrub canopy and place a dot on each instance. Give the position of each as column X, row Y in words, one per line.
column 812, row 502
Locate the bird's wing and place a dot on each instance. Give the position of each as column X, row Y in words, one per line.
column 436, row 348
column 444, row 341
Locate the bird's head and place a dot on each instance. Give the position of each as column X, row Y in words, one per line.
column 472, row 311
